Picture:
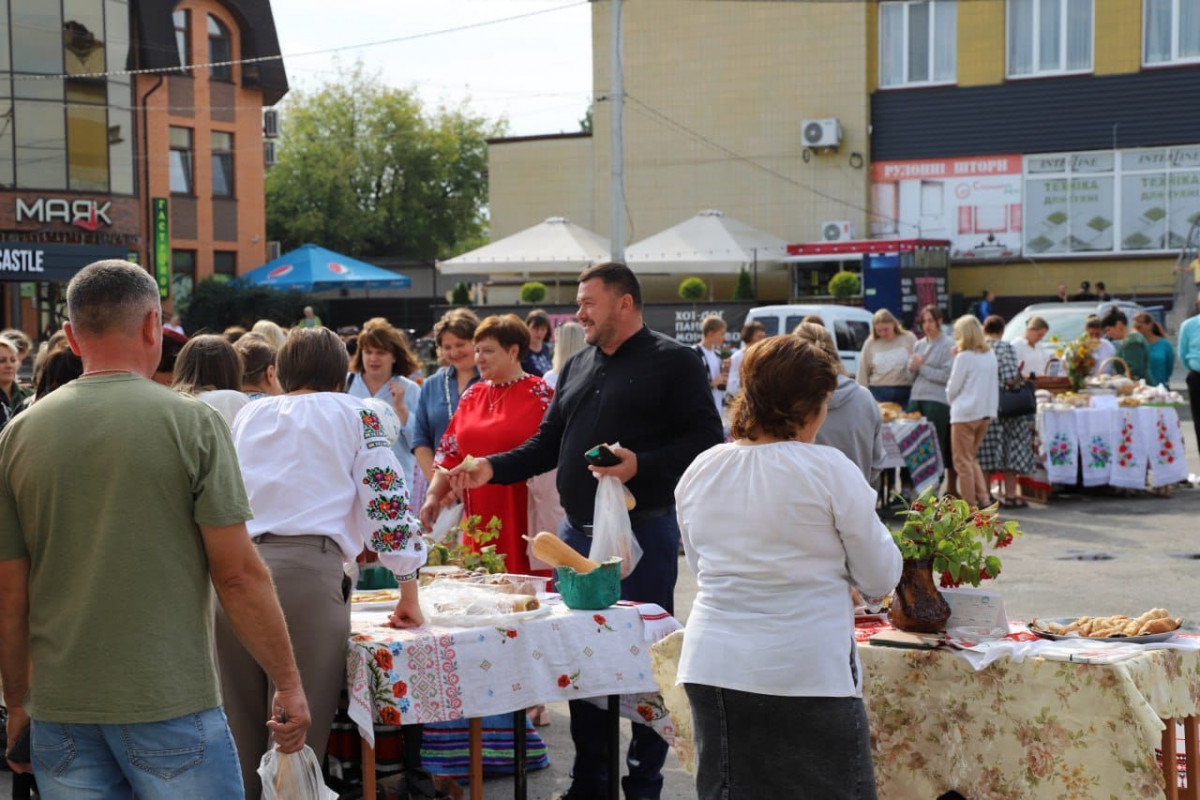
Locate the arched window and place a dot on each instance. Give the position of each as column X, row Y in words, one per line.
column 220, row 50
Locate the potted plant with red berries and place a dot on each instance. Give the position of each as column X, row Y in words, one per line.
column 951, row 538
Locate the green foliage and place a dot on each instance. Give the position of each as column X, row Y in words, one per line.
column 366, row 170
column 744, row 289
column 462, row 555
column 216, row 304
column 533, row 292
column 845, row 285
column 461, row 294
column 953, row 533
column 585, row 122
column 692, row 289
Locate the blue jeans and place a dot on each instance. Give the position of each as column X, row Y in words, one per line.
column 653, row 581
column 891, row 394
column 186, row 758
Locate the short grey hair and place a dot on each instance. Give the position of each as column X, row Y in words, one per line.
column 109, row 296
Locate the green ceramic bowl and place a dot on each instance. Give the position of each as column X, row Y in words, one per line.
column 371, row 578
column 597, row 589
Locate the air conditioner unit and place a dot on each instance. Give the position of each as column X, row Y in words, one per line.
column 274, row 251
column 837, row 230
column 270, row 123
column 268, row 153
column 821, row 132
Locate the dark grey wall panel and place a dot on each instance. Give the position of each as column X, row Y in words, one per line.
column 1153, row 107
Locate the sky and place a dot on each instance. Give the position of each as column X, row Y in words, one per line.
column 535, row 71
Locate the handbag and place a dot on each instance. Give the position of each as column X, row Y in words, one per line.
column 1017, row 401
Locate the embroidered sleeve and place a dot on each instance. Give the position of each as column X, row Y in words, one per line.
column 542, row 394
column 448, row 453
column 383, row 517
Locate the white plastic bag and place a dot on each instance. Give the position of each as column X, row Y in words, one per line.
column 612, row 534
column 293, row 776
column 445, row 527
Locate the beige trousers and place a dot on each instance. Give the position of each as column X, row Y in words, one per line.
column 307, row 571
column 965, row 438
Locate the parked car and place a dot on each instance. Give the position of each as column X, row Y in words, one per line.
column 850, row 325
column 1067, row 320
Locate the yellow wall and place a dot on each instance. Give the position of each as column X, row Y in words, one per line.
column 1118, row 36
column 1123, row 278
column 981, row 42
column 530, row 180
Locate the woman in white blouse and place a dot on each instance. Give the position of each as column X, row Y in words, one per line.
column 323, row 483
column 769, row 661
column 974, row 394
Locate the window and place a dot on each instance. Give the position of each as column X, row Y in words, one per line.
column 1172, row 31
column 1049, row 36
column 224, row 265
column 181, row 161
column 183, row 42
column 220, row 50
column 917, row 43
column 183, row 276
column 37, row 38
column 41, row 145
column 87, row 137
column 222, row 164
column 851, row 334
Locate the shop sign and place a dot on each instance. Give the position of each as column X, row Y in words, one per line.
column 86, row 214
column 162, row 246
column 975, row 202
column 25, row 262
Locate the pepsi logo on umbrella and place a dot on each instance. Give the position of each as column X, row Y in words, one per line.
column 279, row 272
column 338, row 269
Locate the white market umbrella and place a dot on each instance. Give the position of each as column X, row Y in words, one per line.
column 554, row 246
column 709, row 242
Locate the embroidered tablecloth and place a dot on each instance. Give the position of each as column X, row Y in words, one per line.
column 1038, row 729
column 436, row 673
column 1122, row 447
column 912, row 443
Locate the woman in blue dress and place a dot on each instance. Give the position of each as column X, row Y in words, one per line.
column 454, row 334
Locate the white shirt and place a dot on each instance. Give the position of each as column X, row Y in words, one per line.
column 974, row 387
column 735, row 371
column 356, row 386
column 1104, row 351
column 228, row 401
column 1032, row 358
column 319, row 464
column 777, row 534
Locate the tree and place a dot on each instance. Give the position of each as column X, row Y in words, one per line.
column 533, row 292
column 585, row 122
column 214, row 305
column 461, row 294
column 744, row 290
column 692, row 289
column 365, row 170
column 844, row 285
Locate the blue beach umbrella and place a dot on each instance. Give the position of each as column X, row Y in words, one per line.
column 310, row 268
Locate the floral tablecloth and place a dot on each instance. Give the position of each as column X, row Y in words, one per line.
column 1113, row 446
column 913, row 444
column 435, row 673
column 1038, row 729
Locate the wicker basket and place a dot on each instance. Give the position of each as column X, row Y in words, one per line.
column 1054, row 384
column 1118, row 360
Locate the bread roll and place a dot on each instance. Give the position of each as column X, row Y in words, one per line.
column 1160, row 625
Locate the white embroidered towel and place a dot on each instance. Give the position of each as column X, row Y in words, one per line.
column 1168, row 462
column 1061, row 445
column 1095, row 429
column 1133, row 436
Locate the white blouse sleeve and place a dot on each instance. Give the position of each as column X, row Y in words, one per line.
column 381, row 513
column 872, row 557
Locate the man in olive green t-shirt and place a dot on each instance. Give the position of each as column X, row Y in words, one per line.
column 121, row 503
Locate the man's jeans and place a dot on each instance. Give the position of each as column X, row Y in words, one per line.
column 653, row 581
column 186, row 758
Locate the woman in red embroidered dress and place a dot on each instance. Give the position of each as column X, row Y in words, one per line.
column 496, row 414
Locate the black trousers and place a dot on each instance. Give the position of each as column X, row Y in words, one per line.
column 1193, row 385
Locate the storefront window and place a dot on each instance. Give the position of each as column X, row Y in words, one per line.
column 220, row 50
column 918, row 43
column 224, row 264
column 181, row 161
column 41, row 144
column 222, row 164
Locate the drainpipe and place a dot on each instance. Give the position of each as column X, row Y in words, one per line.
column 146, row 173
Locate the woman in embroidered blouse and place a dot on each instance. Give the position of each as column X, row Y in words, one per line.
column 454, row 335
column 494, row 416
column 777, row 713
column 323, row 483
column 378, row 368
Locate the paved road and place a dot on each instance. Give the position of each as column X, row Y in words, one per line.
column 1042, row 577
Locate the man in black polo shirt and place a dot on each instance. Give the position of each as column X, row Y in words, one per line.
column 648, row 392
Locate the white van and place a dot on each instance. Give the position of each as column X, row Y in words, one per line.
column 850, row 325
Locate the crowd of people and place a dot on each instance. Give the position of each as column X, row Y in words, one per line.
column 271, row 461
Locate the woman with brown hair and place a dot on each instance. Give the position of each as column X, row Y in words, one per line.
column 539, row 358
column 1007, row 446
column 378, row 369
column 258, row 366
column 454, row 335
column 778, row 556
column 1162, row 354
column 494, row 416
column 210, row 369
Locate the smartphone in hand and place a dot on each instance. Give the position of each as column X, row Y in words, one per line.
column 601, row 456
